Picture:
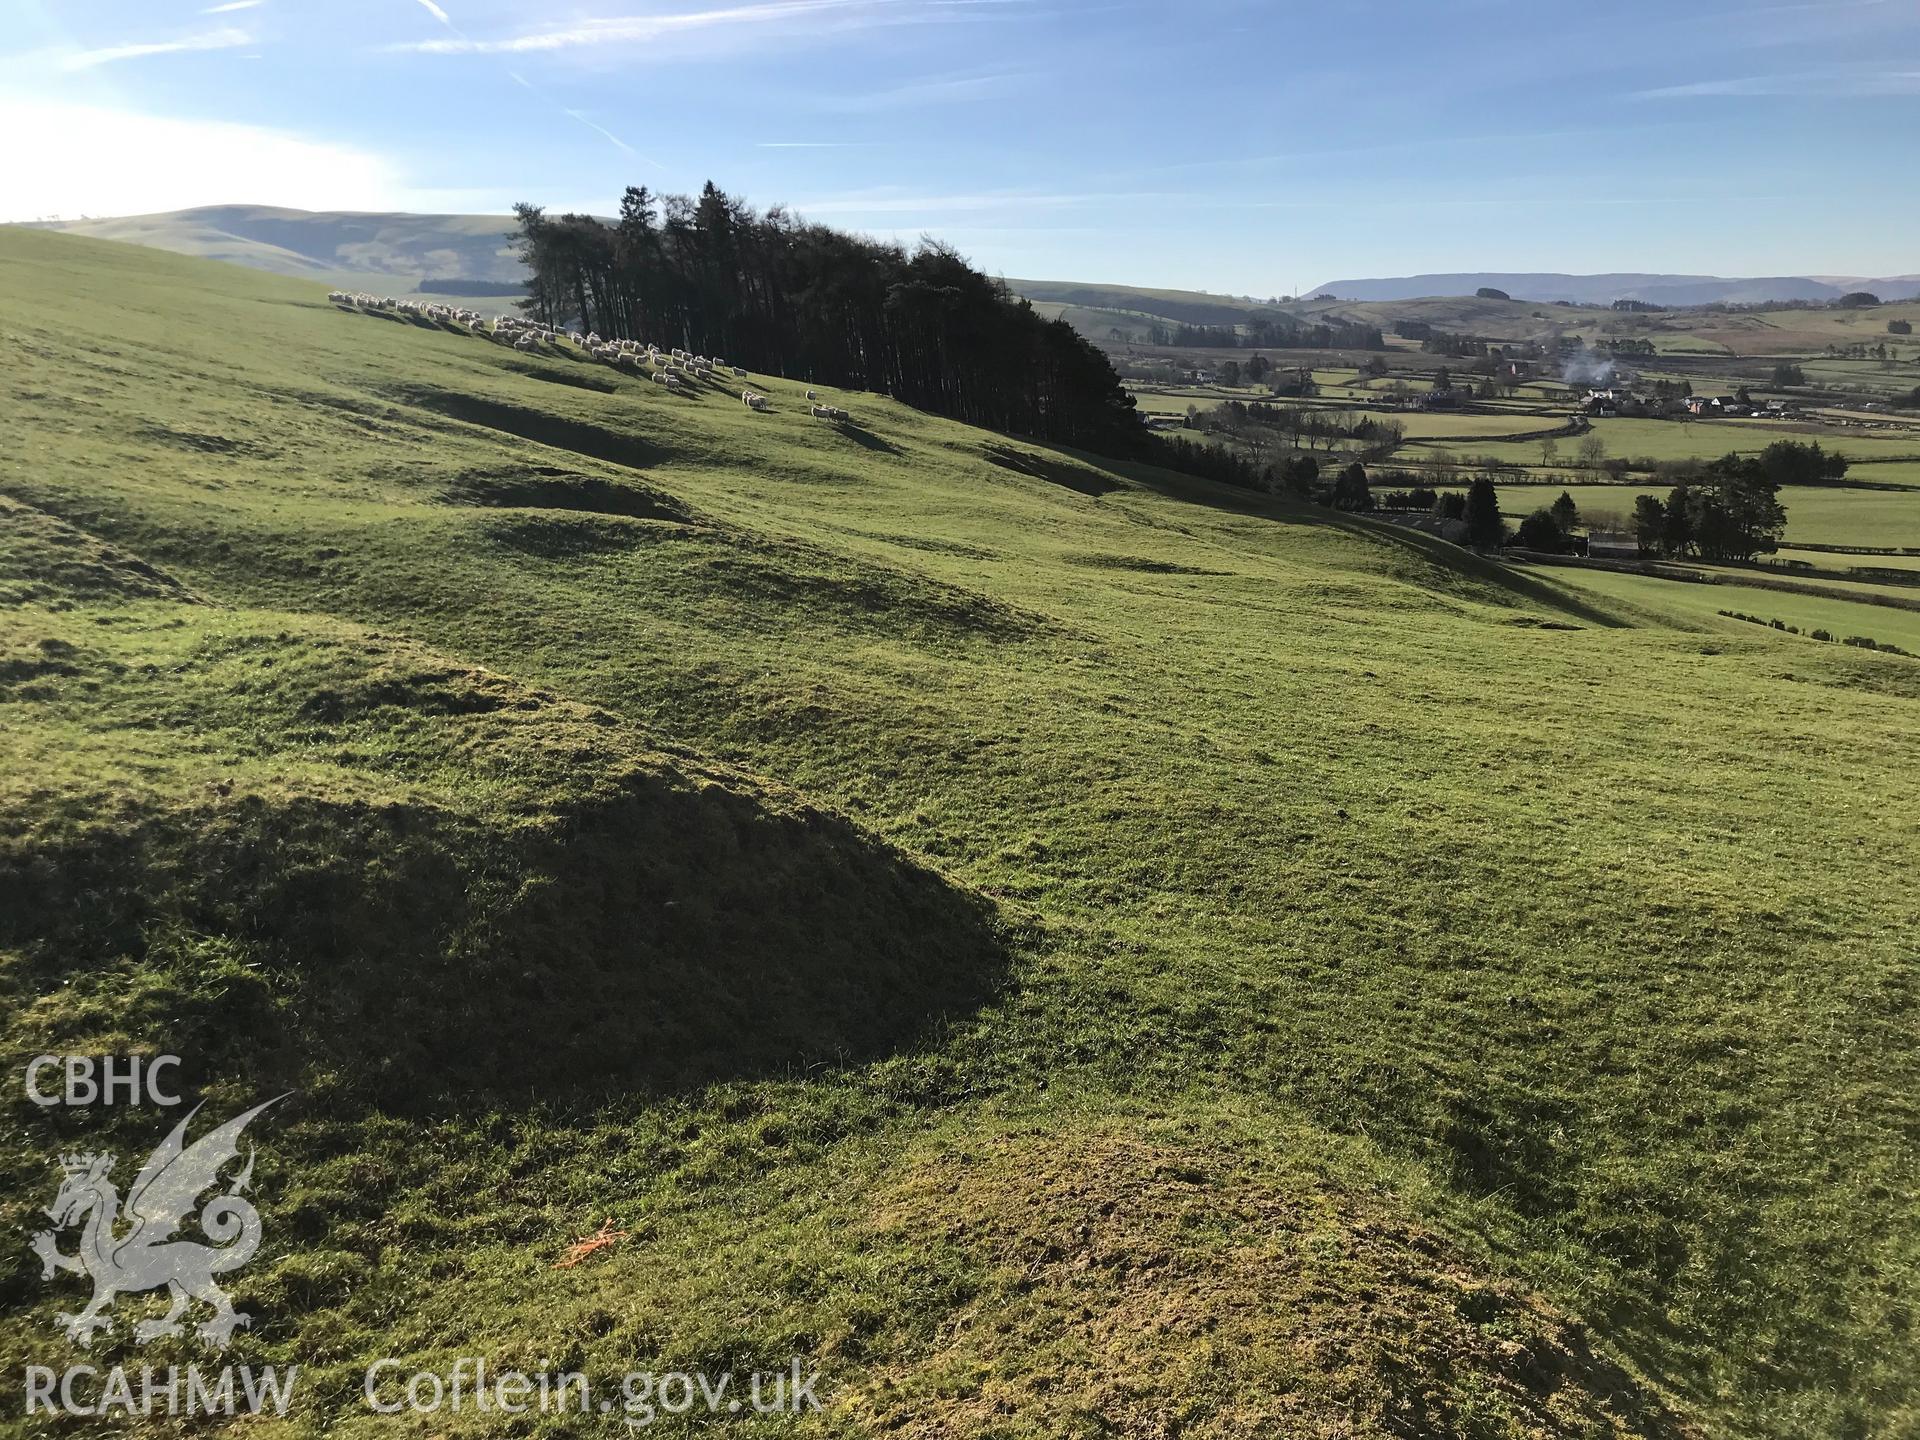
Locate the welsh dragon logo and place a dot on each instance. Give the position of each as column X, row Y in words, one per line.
column 126, row 1252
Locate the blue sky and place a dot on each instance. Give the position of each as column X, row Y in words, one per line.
column 1245, row 146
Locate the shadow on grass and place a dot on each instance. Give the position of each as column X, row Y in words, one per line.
column 662, row 933
column 865, row 438
column 582, row 437
column 1076, row 475
column 579, row 379
column 1448, row 556
column 547, row 487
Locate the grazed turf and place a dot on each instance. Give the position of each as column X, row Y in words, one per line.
column 798, row 810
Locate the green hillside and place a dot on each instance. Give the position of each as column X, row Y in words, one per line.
column 1182, row 307
column 1063, row 948
column 351, row 248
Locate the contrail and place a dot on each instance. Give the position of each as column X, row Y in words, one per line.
column 447, row 20
column 601, row 129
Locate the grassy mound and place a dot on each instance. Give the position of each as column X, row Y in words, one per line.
column 381, row 878
column 1119, row 1284
column 45, row 560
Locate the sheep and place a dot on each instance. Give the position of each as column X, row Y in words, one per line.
column 739, row 371
column 828, row 412
column 812, row 396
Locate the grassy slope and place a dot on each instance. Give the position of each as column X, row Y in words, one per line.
column 1067, row 960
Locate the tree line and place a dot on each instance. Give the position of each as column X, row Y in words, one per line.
column 778, row 295
column 1728, row 509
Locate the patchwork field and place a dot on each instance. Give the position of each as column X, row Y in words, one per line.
column 1682, row 440
column 1440, row 426
column 1065, row 948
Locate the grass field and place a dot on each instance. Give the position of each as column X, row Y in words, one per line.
column 1421, row 426
column 1703, row 603
column 1163, row 402
column 1065, row 948
column 1827, row 559
column 1816, row 515
column 1699, row 440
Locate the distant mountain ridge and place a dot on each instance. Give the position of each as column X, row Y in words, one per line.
column 1652, row 289
column 337, row 246
column 332, row 245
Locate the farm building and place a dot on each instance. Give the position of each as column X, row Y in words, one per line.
column 1612, row 545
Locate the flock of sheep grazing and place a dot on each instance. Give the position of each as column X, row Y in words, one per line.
column 675, row 369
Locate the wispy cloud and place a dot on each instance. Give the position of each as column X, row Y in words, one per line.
column 223, row 39
column 934, row 90
column 233, row 5
column 462, row 41
column 1810, row 83
column 639, row 29
column 890, row 202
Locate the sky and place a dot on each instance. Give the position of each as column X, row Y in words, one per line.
column 1250, row 147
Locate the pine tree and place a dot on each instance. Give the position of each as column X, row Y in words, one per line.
column 1485, row 529
column 1565, row 513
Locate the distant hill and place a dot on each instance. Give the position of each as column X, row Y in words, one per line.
column 1181, row 307
column 347, row 247
column 1676, row 290
column 341, row 247
column 1131, row 315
